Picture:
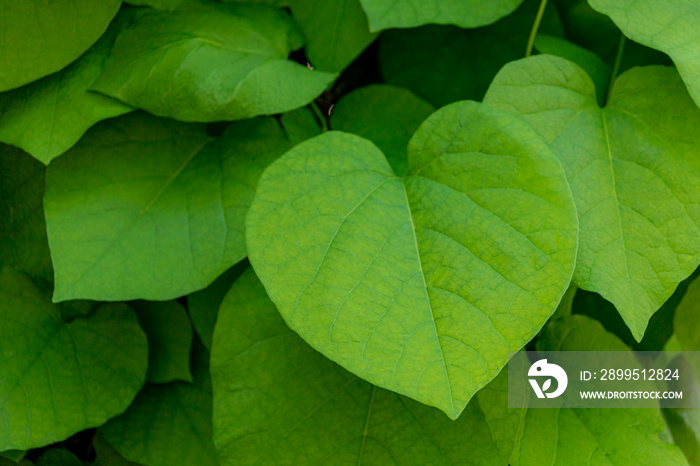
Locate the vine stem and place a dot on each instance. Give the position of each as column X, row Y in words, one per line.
column 535, row 28
column 616, row 66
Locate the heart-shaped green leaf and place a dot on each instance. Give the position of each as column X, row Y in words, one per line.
column 420, row 284
column 149, row 208
column 208, row 61
column 385, row 14
column 633, row 169
column 58, row 378
column 270, row 413
column 39, row 37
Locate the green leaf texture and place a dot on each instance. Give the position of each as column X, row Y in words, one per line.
column 605, row 436
column 168, row 424
column 59, row 378
column 40, row 37
column 46, row 117
column 633, row 169
column 670, row 26
column 419, row 284
column 385, row 14
column 336, row 31
column 153, row 209
column 386, row 115
column 210, row 62
column 169, row 335
column 271, row 414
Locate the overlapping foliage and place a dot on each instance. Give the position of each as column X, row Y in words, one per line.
column 301, row 232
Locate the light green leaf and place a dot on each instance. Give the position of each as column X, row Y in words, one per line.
column 149, row 208
column 210, row 62
column 159, row 4
column 596, row 68
column 386, row 115
column 301, row 408
column 684, row 423
column 169, row 334
column 59, row 378
column 633, row 169
column 419, row 284
column 40, row 38
column 168, row 424
column 336, row 31
column 46, row 117
column 385, row 14
column 23, row 243
column 203, row 306
column 566, row 436
column 670, row 26
column 685, row 321
column 300, row 125
column 444, row 64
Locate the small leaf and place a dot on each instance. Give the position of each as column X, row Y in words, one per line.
column 301, row 408
column 147, row 208
column 546, row 385
column 169, row 334
column 336, row 31
column 386, row 14
column 58, row 457
column 420, row 284
column 210, row 62
column 444, row 64
column 633, row 169
column 669, row 26
column 386, row 115
column 59, row 378
column 592, row 436
column 300, row 125
column 40, row 38
column 45, row 118
column 168, row 424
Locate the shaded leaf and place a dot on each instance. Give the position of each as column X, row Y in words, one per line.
column 58, row 457
column 443, row 64
column 169, row 334
column 591, row 435
column 210, row 62
column 385, row 14
column 420, row 284
column 40, row 38
column 386, row 115
column 159, row 4
column 272, row 414
column 300, row 125
column 60, row 378
column 168, row 424
column 147, row 208
column 632, row 167
column 336, row 31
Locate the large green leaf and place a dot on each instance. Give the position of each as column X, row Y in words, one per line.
column 584, row 436
column 169, row 334
column 59, row 378
column 443, row 64
column 47, row 117
column 300, row 408
column 386, row 115
column 168, row 424
column 40, row 37
column 149, row 208
column 336, row 31
column 420, row 284
column 670, row 26
column 23, row 243
column 633, row 169
column 385, row 14
column 210, row 62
